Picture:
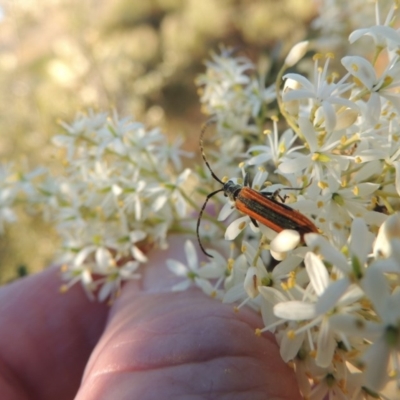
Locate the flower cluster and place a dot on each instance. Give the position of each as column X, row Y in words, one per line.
column 120, row 197
column 119, row 194
column 333, row 302
column 338, row 18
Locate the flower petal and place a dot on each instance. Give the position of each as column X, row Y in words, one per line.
column 361, row 69
column 236, row 227
column 317, row 272
column 295, row 310
column 326, row 345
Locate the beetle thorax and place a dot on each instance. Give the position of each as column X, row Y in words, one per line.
column 232, row 190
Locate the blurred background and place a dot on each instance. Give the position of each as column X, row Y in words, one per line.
column 141, row 58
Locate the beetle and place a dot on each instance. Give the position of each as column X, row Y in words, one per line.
column 261, row 207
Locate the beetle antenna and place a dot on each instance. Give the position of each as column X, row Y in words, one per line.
column 199, row 219
column 203, row 131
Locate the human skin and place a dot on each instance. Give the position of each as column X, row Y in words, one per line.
column 149, row 344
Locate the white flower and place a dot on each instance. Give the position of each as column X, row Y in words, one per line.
column 173, row 194
column 225, row 74
column 377, row 87
column 384, row 334
column 336, row 18
column 258, row 95
column 323, row 93
column 274, row 286
column 111, row 287
column 172, row 152
column 382, row 34
column 271, row 297
column 112, row 136
column 337, row 206
column 81, row 128
column 321, row 160
column 134, row 195
column 325, row 297
column 80, row 270
column 193, row 273
column 276, row 148
column 332, row 383
column 349, row 269
column 232, row 95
